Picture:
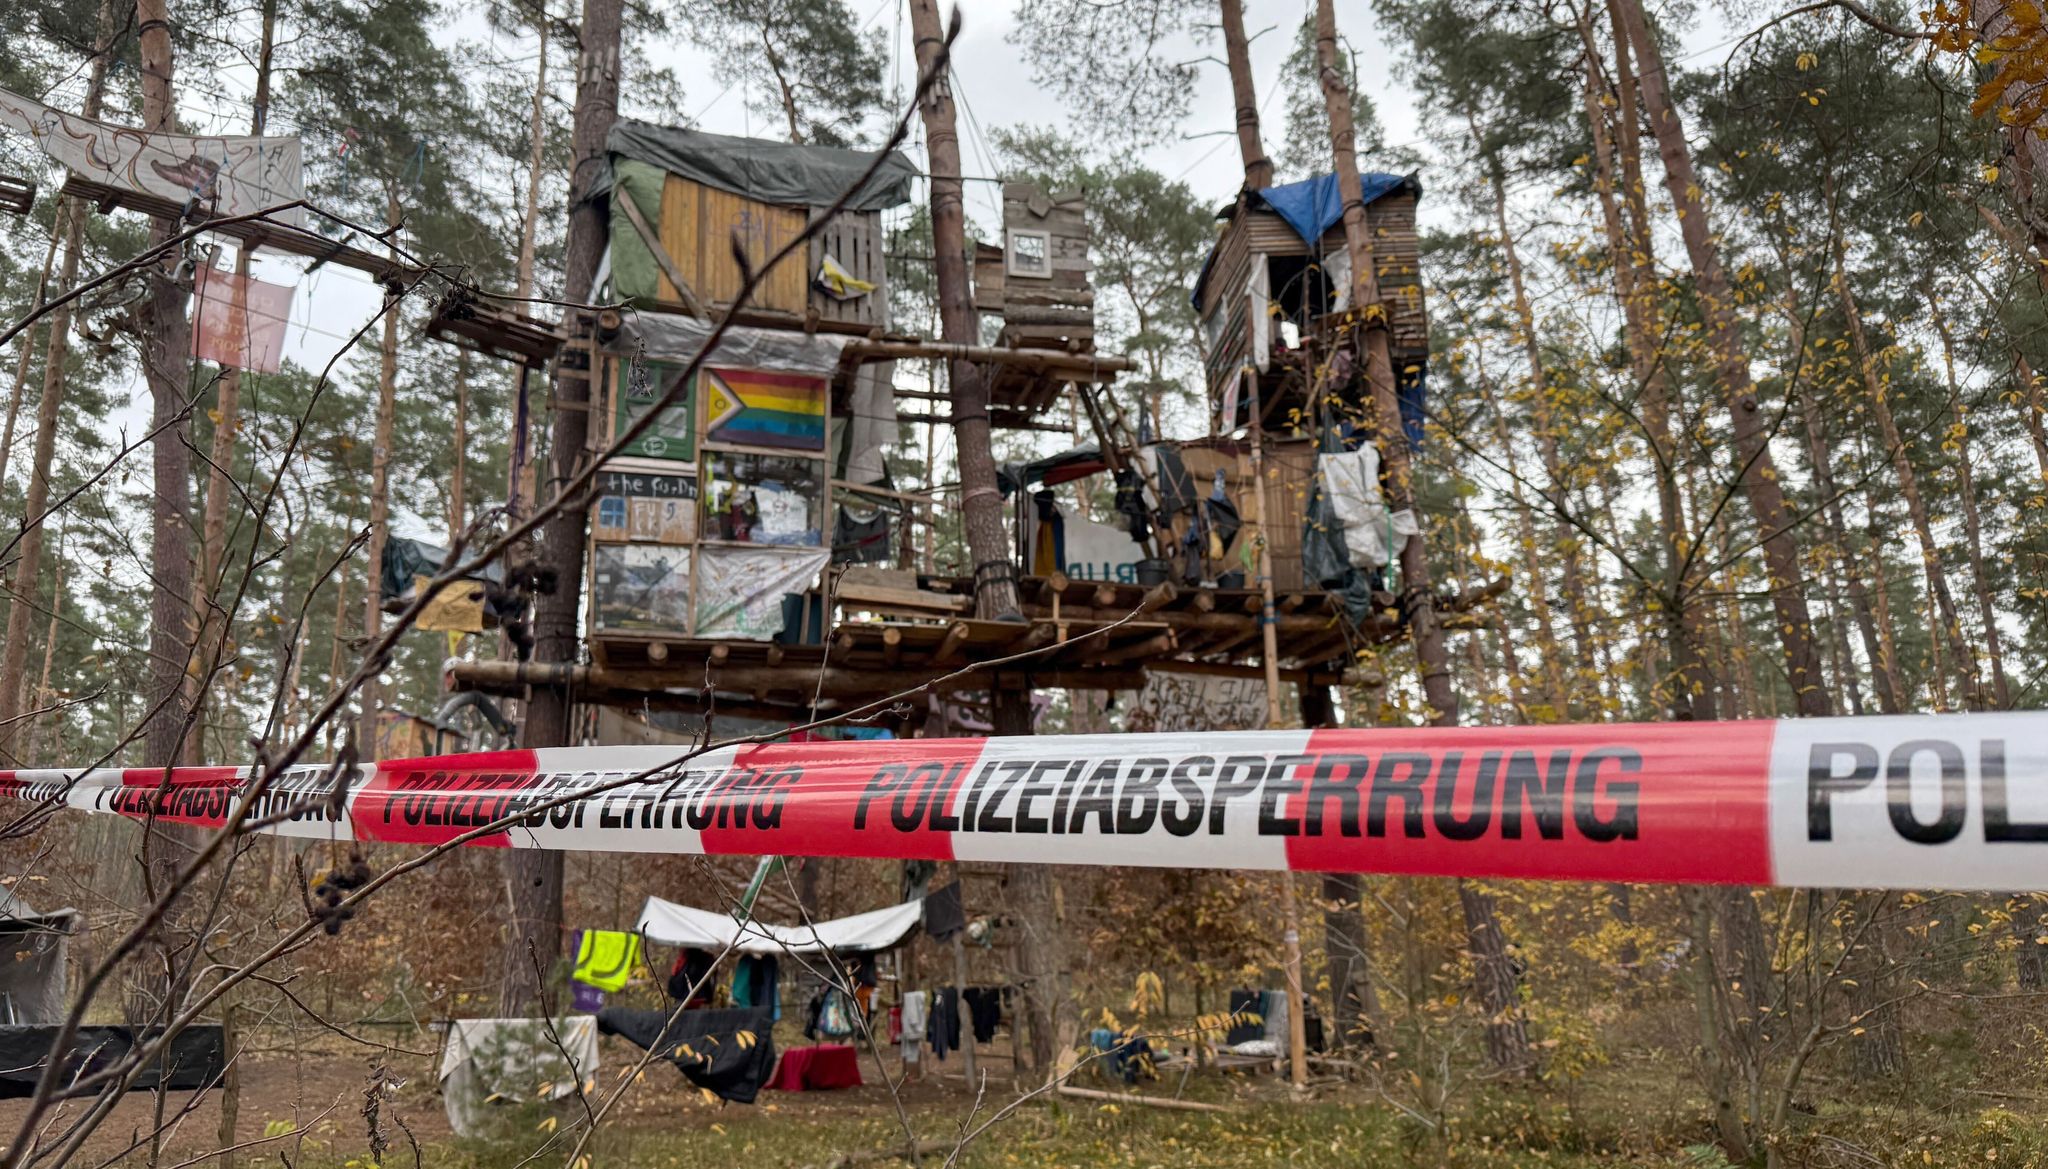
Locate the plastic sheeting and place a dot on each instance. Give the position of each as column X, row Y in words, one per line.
column 764, row 170
column 740, row 590
column 709, row 929
column 1371, row 534
column 192, row 1061
column 1313, row 206
column 512, row 1060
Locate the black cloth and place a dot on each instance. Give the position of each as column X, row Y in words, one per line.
column 193, row 1059
column 943, row 916
column 1176, row 487
column 942, row 1026
column 1130, row 504
column 865, row 541
column 705, row 1045
column 1245, row 1007
column 692, row 969
column 864, row 970
column 985, row 1010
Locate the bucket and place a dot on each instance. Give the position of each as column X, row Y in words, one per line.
column 1153, row 572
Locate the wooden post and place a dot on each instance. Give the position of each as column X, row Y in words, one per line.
column 1269, row 629
column 1297, row 1002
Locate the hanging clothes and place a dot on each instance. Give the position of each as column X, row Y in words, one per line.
column 943, row 1031
column 605, row 959
column 1224, row 522
column 1049, row 536
column 984, row 1010
column 692, row 969
column 861, row 536
column 943, row 916
column 913, row 1016
column 754, row 984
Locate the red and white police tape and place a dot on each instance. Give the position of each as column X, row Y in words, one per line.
column 1934, row 801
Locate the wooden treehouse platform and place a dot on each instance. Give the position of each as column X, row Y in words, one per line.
column 1078, row 635
column 252, row 233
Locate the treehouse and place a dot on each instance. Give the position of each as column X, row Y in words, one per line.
column 1280, row 274
column 747, row 552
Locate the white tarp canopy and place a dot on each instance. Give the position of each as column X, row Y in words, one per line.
column 711, row 929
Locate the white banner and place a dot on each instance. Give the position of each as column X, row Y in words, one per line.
column 227, row 176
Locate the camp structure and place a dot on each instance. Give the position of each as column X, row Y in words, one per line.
column 747, row 552
column 33, row 985
column 1279, row 273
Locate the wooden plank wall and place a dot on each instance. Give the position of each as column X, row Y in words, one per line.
column 697, row 226
column 1396, row 248
column 854, row 238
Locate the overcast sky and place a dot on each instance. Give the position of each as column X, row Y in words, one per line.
column 996, row 90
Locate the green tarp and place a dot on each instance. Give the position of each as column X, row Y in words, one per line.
column 763, row 170
column 642, row 155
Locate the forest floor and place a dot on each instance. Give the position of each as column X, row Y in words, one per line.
column 303, row 1107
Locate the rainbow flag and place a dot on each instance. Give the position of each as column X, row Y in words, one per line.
column 754, row 407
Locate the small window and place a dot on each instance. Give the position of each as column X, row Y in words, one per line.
column 611, row 513
column 1030, row 254
column 763, row 499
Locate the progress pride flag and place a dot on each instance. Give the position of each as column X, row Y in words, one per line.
column 1949, row 801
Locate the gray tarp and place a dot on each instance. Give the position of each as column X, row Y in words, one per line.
column 764, row 171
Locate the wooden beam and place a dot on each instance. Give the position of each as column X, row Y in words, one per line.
column 955, row 641
column 1158, row 597
column 662, row 259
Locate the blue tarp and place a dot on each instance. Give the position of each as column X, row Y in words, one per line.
column 1312, row 206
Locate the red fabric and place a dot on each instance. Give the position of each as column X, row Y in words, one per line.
column 823, row 1068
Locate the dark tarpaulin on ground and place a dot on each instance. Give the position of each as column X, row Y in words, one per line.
column 192, row 1060
column 763, row 170
column 705, row 1045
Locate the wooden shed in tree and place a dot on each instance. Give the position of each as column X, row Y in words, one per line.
column 1280, row 270
column 1036, row 283
column 682, row 198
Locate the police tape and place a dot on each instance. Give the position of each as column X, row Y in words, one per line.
column 1934, row 801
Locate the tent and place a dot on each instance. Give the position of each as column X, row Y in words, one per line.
column 33, row 985
column 710, row 929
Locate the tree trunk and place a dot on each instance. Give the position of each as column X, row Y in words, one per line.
column 988, row 544
column 1690, row 693
column 1729, row 1128
column 1961, row 659
column 206, row 601
column 70, row 224
column 380, row 494
column 1996, row 20
column 1536, row 589
column 1820, row 454
column 166, row 338
column 1973, row 526
column 1258, row 169
column 1565, row 538
column 1507, row 1036
column 1758, row 472
column 459, row 455
column 1033, row 895
column 40, row 697
column 60, row 226
column 533, row 877
column 1347, row 957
